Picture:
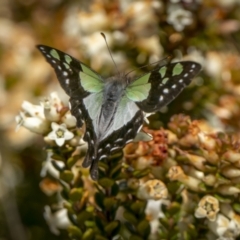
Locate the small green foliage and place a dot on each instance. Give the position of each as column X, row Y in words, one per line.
column 130, row 217
column 112, row 228
column 88, row 234
column 75, row 194
column 144, row 228
column 106, row 182
column 74, row 232
column 66, row 176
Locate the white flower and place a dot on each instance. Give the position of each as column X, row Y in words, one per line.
column 179, row 17
column 33, row 110
column 222, row 227
column 60, row 133
column 69, row 120
column 51, row 107
column 153, row 212
column 56, row 220
column 47, row 166
column 34, row 124
column 32, row 118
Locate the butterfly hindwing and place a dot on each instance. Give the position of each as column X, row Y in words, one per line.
column 114, row 142
column 166, row 82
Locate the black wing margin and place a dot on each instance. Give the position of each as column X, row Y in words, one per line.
column 166, row 84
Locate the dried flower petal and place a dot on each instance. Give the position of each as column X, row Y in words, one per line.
column 153, row 189
column 208, row 207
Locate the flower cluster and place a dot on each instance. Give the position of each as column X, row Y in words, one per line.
column 50, row 113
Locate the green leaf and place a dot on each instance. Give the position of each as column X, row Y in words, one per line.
column 99, row 198
column 109, row 203
column 72, row 160
column 76, row 194
column 88, row 235
column 135, row 237
column 106, row 182
column 130, row 217
column 112, row 227
column 83, row 216
column 66, row 176
column 74, row 232
column 138, row 207
column 141, row 173
column 144, row 228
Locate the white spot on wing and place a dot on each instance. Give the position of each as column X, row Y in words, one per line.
column 174, row 86
column 115, row 148
column 119, row 140
column 128, row 141
column 180, row 80
column 59, row 67
column 193, row 66
column 165, row 90
column 186, row 74
column 65, row 73
column 161, row 98
column 103, row 156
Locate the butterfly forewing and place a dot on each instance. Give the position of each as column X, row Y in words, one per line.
column 166, row 83
column 73, row 75
column 76, row 78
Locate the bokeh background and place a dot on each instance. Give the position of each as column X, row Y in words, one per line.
column 138, row 33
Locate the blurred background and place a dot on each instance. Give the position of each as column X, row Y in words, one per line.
column 138, row 33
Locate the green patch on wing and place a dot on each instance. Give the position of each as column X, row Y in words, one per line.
column 66, row 65
column 90, row 83
column 139, row 89
column 165, row 80
column 178, row 68
column 68, row 59
column 89, row 72
column 55, row 54
column 162, row 71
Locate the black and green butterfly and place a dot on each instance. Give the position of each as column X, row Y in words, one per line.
column 113, row 109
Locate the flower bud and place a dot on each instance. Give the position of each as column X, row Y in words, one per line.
column 227, row 190
column 208, row 207
column 176, row 173
column 153, row 189
column 230, row 172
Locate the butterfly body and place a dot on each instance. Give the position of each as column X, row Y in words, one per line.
column 113, row 108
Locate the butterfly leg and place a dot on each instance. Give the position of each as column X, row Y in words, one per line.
column 94, row 170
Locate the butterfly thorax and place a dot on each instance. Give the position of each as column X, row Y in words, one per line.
column 113, row 92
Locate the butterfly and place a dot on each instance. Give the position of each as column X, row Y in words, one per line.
column 113, row 109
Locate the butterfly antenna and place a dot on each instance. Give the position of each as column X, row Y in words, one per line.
column 103, row 35
column 166, row 58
